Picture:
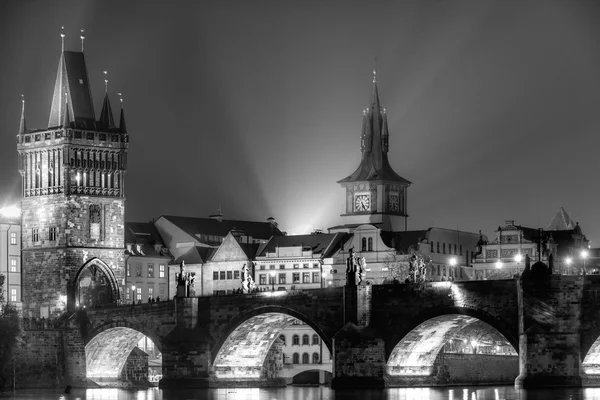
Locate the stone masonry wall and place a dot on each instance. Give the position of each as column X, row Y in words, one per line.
column 479, row 368
column 136, row 367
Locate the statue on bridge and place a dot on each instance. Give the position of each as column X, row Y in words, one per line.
column 356, row 269
column 185, row 281
column 248, row 285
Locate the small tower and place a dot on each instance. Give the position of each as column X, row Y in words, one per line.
column 375, row 194
column 73, row 204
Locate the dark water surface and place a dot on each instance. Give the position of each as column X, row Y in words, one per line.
column 311, row 393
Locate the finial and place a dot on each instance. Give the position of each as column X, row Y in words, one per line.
column 82, row 39
column 62, row 38
column 374, row 75
column 120, row 98
column 23, row 100
column 105, row 82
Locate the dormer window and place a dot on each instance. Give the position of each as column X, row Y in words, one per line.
column 81, row 81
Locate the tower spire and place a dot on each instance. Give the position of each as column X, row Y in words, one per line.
column 106, row 115
column 23, row 125
column 122, row 125
column 82, row 36
column 62, row 39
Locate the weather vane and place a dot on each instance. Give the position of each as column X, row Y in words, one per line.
column 82, row 39
column 105, row 81
column 62, row 38
column 120, row 98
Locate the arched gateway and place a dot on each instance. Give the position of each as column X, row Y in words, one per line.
column 94, row 285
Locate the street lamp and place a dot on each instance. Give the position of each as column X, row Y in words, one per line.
column 584, row 255
column 499, row 264
column 518, row 257
column 323, row 276
column 272, row 281
column 453, row 263
column 568, row 261
column 133, row 293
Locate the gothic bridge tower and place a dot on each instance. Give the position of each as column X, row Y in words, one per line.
column 375, row 194
column 73, row 205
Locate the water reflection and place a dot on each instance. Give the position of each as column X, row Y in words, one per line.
column 312, row 393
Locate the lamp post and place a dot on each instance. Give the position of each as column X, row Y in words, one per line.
column 133, row 293
column 518, row 259
column 323, row 276
column 272, row 281
column 568, row 261
column 453, row 263
column 584, row 255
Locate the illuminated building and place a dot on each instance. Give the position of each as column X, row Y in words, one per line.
column 73, row 203
column 10, row 254
column 147, row 261
column 504, row 256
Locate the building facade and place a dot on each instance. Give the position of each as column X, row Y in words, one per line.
column 10, row 255
column 73, row 203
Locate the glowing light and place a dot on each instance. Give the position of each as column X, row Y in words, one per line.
column 133, row 287
column 584, row 254
column 473, row 343
column 453, row 261
column 63, row 299
column 78, row 177
column 10, row 212
column 498, row 264
column 568, row 260
column 274, row 294
column 518, row 257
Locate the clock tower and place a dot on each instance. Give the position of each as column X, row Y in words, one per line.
column 375, row 194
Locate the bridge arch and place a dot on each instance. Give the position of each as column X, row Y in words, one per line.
column 94, row 283
column 250, row 344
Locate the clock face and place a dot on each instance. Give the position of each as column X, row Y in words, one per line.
column 394, row 202
column 362, row 202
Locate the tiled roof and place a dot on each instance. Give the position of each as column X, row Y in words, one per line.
column 146, row 236
column 561, row 221
column 324, row 243
column 210, row 226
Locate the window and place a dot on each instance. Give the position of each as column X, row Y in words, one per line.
column 282, row 279
column 282, row 338
column 161, row 271
column 454, row 249
column 296, row 266
column 150, row 270
column 236, row 274
column 438, row 272
column 262, row 279
column 364, row 244
column 305, row 265
column 138, row 270
column 138, row 295
column 444, row 248
column 296, row 340
column 150, row 292
column 13, row 265
column 306, row 277
column 305, row 340
column 315, row 265
column 222, row 275
column 295, row 278
column 229, row 274
column 370, row 247
column 438, row 247
column 305, row 358
column 295, row 359
column 315, row 339
column 262, row 267
column 460, row 248
column 271, row 279
column 315, row 358
column 431, row 247
column 95, row 218
column 271, row 266
column 444, row 270
column 35, row 235
column 281, row 266
column 13, row 238
column 316, row 277
column 13, row 294
column 215, row 275
column 128, row 268
column 52, row 233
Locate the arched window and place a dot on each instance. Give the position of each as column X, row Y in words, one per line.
column 370, row 244
column 305, row 358
column 364, row 244
column 315, row 358
column 296, row 340
column 305, row 339
column 295, row 359
column 282, row 337
column 315, row 339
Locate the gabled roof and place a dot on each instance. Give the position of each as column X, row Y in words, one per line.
column 137, row 352
column 403, row 241
column 561, row 221
column 324, row 244
column 146, row 236
column 196, row 255
column 210, row 226
column 374, row 164
column 72, row 82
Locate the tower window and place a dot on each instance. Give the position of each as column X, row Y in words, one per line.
column 150, row 270
column 444, row 248
column 370, row 247
column 438, row 247
column 13, row 265
column 13, row 238
column 364, row 244
column 454, row 249
column 161, row 271
column 95, row 221
column 52, row 233
column 460, row 248
column 35, row 235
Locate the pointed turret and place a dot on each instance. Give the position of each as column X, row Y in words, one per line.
column 122, row 125
column 107, row 120
column 23, row 125
column 561, row 221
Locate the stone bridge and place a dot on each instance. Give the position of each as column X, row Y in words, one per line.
column 384, row 335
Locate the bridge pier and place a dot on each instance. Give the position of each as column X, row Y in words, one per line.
column 549, row 331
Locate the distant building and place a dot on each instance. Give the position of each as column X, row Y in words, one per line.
column 504, row 256
column 302, row 345
column 10, row 257
column 297, row 262
column 147, row 260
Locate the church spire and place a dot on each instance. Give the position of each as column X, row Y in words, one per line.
column 23, row 125
column 106, row 115
column 122, row 125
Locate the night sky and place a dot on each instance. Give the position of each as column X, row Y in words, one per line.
column 256, row 106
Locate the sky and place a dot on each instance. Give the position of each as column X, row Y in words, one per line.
column 255, row 107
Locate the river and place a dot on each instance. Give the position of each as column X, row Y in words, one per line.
column 312, row 393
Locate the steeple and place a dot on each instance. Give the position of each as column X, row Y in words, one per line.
column 23, row 125
column 122, row 125
column 374, row 165
column 106, row 115
column 72, row 83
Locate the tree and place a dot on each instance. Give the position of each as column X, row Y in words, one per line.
column 397, row 265
column 413, row 267
column 10, row 334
